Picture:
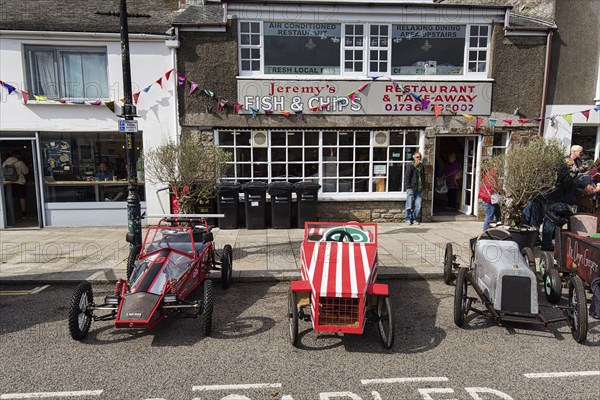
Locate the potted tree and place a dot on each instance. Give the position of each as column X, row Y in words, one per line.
column 526, row 171
column 190, row 168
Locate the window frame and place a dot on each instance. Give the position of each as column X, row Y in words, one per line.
column 469, row 49
column 251, row 47
column 30, row 49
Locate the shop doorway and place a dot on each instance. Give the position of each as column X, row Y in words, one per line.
column 455, row 175
column 12, row 215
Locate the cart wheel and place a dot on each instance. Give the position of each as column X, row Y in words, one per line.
column 448, row 261
column 460, row 298
column 552, row 285
column 134, row 252
column 80, row 318
column 385, row 321
column 207, row 308
column 226, row 266
column 546, row 261
column 577, row 313
column 293, row 317
column 529, row 258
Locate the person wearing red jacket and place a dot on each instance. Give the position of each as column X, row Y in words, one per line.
column 486, row 192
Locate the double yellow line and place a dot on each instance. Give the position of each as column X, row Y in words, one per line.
column 23, row 292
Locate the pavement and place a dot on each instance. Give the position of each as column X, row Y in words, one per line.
column 99, row 254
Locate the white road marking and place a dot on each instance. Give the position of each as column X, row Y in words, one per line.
column 233, row 387
column 561, row 374
column 45, row 395
column 39, row 289
column 404, row 380
column 94, row 275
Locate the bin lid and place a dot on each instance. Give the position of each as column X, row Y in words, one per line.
column 256, row 185
column 302, row 186
column 283, row 186
column 226, row 186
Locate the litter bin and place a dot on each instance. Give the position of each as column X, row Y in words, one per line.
column 281, row 204
column 227, row 203
column 307, row 194
column 256, row 203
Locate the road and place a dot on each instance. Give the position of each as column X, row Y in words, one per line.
column 249, row 355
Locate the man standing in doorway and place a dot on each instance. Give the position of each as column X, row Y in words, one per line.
column 414, row 179
column 18, row 185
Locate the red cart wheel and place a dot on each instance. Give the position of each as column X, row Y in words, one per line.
column 577, row 313
column 293, row 318
column 385, row 321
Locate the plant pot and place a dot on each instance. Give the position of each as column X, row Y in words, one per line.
column 524, row 237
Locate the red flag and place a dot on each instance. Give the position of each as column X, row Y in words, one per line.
column 25, row 96
column 363, row 87
column 168, row 74
column 159, row 81
column 437, row 110
column 315, row 108
column 507, row 121
column 324, row 106
column 586, row 114
column 523, row 120
column 478, row 122
column 136, row 96
column 237, row 107
column 285, row 113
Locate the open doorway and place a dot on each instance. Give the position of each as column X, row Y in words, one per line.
column 19, row 198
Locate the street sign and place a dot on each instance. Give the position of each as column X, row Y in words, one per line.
column 128, row 125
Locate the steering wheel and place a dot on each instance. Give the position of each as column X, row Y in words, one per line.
column 496, row 234
column 342, row 234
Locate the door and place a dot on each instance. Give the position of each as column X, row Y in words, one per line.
column 468, row 188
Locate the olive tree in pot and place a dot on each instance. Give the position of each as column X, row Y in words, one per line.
column 191, row 169
column 526, row 171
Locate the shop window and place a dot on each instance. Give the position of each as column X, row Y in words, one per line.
column 67, row 72
column 86, row 167
column 501, row 142
column 342, row 161
column 297, row 48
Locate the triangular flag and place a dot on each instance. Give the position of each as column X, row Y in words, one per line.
column 122, row 99
column 208, row 93
column 404, row 90
column 25, row 96
column 147, row 88
column 268, row 112
column 374, row 77
column 478, row 122
column 314, row 108
column 437, row 110
column 508, row 121
column 40, row 98
column 415, row 96
column 110, row 105
column 95, row 102
column 77, row 102
column 324, row 106
column 586, row 114
column 159, row 81
column 394, row 83
column 453, row 112
column 9, row 87
column 352, row 96
column 468, row 116
column 568, row 118
column 299, row 115
column 62, row 101
column 425, row 104
column 597, row 108
column 168, row 74
column 363, row 87
column 340, row 99
column 285, row 113
column 523, row 120
column 180, row 79
column 136, row 96
column 254, row 111
column 221, row 104
column 237, row 107
column 193, row 87
column 492, row 122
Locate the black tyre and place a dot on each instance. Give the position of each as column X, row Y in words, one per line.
column 385, row 321
column 552, row 285
column 546, row 262
column 293, row 317
column 134, row 252
column 207, row 308
column 448, row 264
column 460, row 298
column 527, row 254
column 577, row 313
column 80, row 317
column 227, row 266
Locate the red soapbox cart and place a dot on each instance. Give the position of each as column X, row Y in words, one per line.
column 338, row 290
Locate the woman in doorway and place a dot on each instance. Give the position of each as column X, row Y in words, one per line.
column 453, row 175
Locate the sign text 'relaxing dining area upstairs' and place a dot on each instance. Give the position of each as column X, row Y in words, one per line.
column 380, row 97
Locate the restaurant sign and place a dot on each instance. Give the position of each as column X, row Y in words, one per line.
column 378, row 98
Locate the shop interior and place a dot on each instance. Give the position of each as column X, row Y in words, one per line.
column 442, row 200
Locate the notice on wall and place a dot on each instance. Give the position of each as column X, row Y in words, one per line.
column 379, row 98
column 57, row 156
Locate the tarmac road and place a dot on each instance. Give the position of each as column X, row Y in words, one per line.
column 249, row 355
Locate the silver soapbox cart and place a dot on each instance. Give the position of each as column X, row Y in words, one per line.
column 505, row 284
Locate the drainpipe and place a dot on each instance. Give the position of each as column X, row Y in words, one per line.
column 546, row 77
column 173, row 44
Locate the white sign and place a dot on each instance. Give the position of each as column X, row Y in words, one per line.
column 128, row 125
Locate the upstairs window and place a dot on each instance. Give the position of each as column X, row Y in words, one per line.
column 67, row 72
column 250, row 46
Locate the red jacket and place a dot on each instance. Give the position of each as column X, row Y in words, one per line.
column 490, row 179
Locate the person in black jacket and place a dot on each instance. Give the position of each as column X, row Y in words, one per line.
column 414, row 182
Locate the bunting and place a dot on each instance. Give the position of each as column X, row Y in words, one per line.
column 478, row 122
column 492, row 122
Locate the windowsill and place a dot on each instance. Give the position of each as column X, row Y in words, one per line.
column 419, row 78
column 66, row 103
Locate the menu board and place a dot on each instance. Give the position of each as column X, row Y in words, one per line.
column 57, row 156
